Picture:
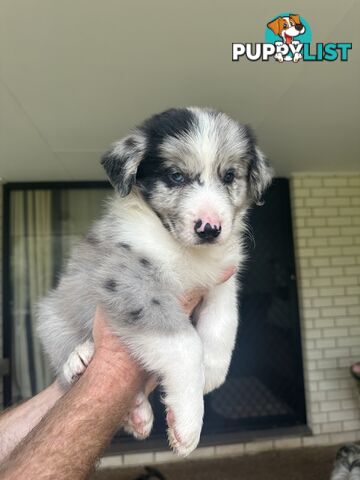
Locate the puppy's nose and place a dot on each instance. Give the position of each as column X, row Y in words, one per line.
column 299, row 27
column 207, row 231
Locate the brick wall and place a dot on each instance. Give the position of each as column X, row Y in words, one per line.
column 326, row 219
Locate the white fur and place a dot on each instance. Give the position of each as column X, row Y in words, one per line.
column 183, row 268
column 78, row 360
column 140, row 420
column 178, row 361
column 217, row 325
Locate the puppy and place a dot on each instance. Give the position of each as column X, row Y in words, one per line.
column 347, row 465
column 184, row 180
column 287, row 28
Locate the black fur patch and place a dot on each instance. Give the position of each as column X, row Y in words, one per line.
column 145, row 262
column 253, row 173
column 171, row 123
column 92, row 239
column 130, row 142
column 114, row 168
column 198, row 180
column 155, row 301
column 126, row 246
column 198, row 225
column 110, row 285
column 251, row 148
column 346, row 450
column 115, row 163
column 136, row 315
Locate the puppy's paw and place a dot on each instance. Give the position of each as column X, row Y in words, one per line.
column 77, row 362
column 297, row 57
column 141, row 418
column 183, row 432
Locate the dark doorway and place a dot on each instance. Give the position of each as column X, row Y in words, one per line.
column 265, row 387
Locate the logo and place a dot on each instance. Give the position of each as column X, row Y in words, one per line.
column 288, row 33
column 288, row 39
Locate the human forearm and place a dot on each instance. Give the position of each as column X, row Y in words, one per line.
column 67, row 442
column 18, row 421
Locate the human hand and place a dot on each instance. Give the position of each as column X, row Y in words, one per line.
column 191, row 299
column 112, row 354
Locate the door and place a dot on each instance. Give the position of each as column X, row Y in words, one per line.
column 265, row 386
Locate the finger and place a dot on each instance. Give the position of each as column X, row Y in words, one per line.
column 191, row 299
column 228, row 273
column 103, row 335
column 99, row 318
column 150, row 385
column 193, row 295
column 98, row 324
column 170, row 418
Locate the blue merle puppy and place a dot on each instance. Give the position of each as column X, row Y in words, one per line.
column 183, row 182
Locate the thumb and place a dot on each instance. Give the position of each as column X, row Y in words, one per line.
column 228, row 273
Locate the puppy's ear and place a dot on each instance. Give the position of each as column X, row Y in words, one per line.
column 122, row 160
column 275, row 25
column 260, row 172
column 296, row 18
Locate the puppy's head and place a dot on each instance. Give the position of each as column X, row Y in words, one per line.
column 287, row 27
column 196, row 168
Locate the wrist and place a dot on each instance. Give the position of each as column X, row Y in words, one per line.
column 107, row 392
column 115, row 375
column 56, row 389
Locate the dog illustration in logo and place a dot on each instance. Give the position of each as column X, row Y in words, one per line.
column 287, row 28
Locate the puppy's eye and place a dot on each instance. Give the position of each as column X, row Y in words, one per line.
column 177, row 178
column 229, row 177
column 285, row 25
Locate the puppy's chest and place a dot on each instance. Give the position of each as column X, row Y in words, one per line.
column 188, row 270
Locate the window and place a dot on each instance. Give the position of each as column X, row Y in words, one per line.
column 44, row 222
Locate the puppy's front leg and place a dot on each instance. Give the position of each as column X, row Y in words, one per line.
column 176, row 358
column 150, row 322
column 217, row 324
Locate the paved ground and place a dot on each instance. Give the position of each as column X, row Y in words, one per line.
column 299, row 464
